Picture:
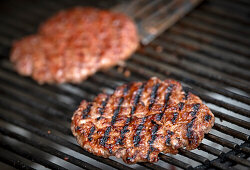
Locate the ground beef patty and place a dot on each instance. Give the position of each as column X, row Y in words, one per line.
column 74, row 44
column 140, row 120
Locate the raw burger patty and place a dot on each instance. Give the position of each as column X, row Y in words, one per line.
column 140, row 120
column 74, row 44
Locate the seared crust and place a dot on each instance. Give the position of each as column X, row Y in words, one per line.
column 140, row 120
column 74, row 44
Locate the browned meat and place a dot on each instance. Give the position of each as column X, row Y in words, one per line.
column 74, row 44
column 140, row 120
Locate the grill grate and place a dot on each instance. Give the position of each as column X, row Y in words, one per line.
column 208, row 51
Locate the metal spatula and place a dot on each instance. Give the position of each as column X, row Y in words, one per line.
column 155, row 16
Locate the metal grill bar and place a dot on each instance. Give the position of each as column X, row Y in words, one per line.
column 48, row 122
column 222, row 141
column 215, row 66
column 209, row 50
column 214, row 41
column 173, row 61
column 61, row 141
column 13, row 162
column 69, row 132
column 161, row 69
column 194, row 156
column 200, row 25
column 151, row 166
column 186, row 56
column 231, row 132
column 47, row 149
column 220, row 22
column 30, row 156
column 174, row 161
column 231, row 119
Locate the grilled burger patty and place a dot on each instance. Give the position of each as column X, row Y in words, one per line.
column 140, row 120
column 74, row 44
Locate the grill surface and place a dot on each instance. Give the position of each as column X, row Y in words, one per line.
column 208, row 51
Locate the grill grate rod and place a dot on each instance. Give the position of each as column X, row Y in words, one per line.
column 151, row 166
column 211, row 40
column 59, row 140
column 231, row 119
column 206, row 48
column 201, row 25
column 247, row 125
column 48, row 125
column 110, row 83
column 220, row 22
column 192, row 158
column 241, row 39
column 47, row 149
column 178, row 54
column 171, row 61
column 9, row 160
column 205, row 97
column 138, row 69
column 30, row 156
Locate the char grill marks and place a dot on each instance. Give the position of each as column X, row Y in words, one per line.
column 91, row 133
column 153, row 95
column 129, row 119
column 137, row 137
column 168, row 137
column 140, row 120
column 86, row 111
column 167, row 97
column 190, row 131
column 114, row 117
column 195, row 109
column 101, row 110
column 153, row 137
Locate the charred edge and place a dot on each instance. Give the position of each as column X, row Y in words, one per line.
column 167, row 97
column 168, row 137
column 138, row 94
column 131, row 159
column 195, row 109
column 151, row 149
column 174, row 117
column 136, row 101
column 115, row 114
column 208, row 118
column 153, row 95
column 153, row 137
column 86, row 111
column 117, row 111
column 77, row 128
column 126, row 89
column 186, row 94
column 92, row 130
column 101, row 110
column 180, row 105
column 190, row 129
column 122, row 135
column 110, row 150
column 137, row 137
column 153, row 134
column 105, row 137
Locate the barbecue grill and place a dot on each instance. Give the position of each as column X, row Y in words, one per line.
column 207, row 51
